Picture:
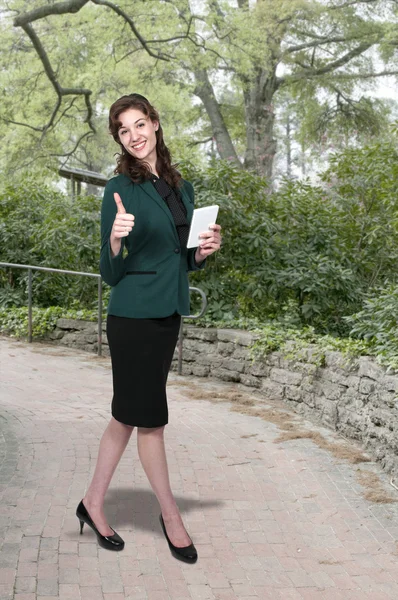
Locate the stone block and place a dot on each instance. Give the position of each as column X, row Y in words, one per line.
column 211, row 360
column 77, row 325
column 57, row 334
column 308, row 398
column 251, row 381
column 285, row 377
column 199, row 346
column 332, row 391
column 305, row 368
column 69, row 339
column 259, row 369
column 200, row 333
column 243, row 338
column 224, row 374
column 273, row 359
column 369, row 368
column 272, row 390
column 233, row 365
column 389, row 383
column 225, row 348
column 328, row 410
column 366, row 385
column 333, row 376
column 200, row 370
column 240, row 352
column 352, row 382
column 292, row 392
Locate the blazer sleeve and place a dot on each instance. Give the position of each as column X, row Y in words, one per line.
column 192, row 264
column 111, row 267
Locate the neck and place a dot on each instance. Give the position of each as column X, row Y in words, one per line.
column 151, row 160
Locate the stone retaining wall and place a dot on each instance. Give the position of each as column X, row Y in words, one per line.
column 359, row 399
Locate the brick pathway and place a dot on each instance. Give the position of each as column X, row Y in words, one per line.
column 271, row 520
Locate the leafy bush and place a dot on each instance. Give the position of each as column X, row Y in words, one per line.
column 377, row 324
column 305, row 253
column 41, row 226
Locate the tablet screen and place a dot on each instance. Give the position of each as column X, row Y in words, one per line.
column 201, row 220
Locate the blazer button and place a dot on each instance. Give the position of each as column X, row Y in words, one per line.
column 177, row 250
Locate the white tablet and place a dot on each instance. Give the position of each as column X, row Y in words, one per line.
column 201, row 220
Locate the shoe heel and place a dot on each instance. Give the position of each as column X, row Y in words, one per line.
column 81, row 526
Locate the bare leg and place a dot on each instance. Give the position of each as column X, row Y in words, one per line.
column 113, row 443
column 152, row 454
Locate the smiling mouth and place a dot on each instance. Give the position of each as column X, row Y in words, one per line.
column 139, row 146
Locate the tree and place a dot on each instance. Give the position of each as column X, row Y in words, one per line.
column 247, row 52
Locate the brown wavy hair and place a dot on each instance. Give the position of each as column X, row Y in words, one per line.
column 127, row 164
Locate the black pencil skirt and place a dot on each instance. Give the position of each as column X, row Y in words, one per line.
column 141, row 353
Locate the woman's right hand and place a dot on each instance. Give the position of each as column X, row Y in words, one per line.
column 122, row 225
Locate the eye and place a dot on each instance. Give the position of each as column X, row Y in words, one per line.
column 141, row 124
column 123, row 131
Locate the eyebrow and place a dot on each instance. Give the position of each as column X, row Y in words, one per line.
column 141, row 119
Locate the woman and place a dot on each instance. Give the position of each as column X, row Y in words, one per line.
column 145, row 219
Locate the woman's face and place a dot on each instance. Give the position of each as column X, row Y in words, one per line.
column 137, row 135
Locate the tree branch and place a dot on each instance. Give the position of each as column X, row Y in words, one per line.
column 319, row 42
column 60, row 91
column 69, row 6
column 332, row 66
column 21, row 124
column 198, row 142
column 133, row 28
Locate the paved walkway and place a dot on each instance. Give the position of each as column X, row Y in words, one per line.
column 279, row 520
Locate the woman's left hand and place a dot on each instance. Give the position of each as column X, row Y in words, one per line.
column 210, row 242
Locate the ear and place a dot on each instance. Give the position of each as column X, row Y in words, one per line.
column 156, row 125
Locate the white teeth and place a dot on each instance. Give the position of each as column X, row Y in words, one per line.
column 139, row 146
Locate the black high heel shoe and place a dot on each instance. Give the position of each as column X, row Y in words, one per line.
column 187, row 554
column 109, row 542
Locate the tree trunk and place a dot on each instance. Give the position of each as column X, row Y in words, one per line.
column 260, row 119
column 204, row 90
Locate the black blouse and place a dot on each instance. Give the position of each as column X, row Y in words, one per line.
column 176, row 206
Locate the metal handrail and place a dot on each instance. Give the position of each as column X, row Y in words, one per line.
column 31, row 268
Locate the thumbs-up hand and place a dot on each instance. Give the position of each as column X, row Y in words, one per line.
column 123, row 223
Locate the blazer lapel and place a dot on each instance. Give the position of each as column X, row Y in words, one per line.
column 150, row 190
column 187, row 203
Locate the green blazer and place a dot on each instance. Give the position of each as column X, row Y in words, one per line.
column 151, row 280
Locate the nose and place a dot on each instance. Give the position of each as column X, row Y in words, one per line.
column 135, row 136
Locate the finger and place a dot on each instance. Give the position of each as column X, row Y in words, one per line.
column 120, row 234
column 119, row 204
column 215, row 227
column 125, row 218
column 122, row 229
column 208, row 241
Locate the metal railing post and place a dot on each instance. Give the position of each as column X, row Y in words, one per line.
column 100, row 317
column 30, row 322
column 180, row 340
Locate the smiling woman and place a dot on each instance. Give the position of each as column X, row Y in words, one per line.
column 146, row 210
column 135, row 125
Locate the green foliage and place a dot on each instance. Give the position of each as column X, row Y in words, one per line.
column 41, row 226
column 305, row 254
column 14, row 321
column 305, row 342
column 377, row 324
